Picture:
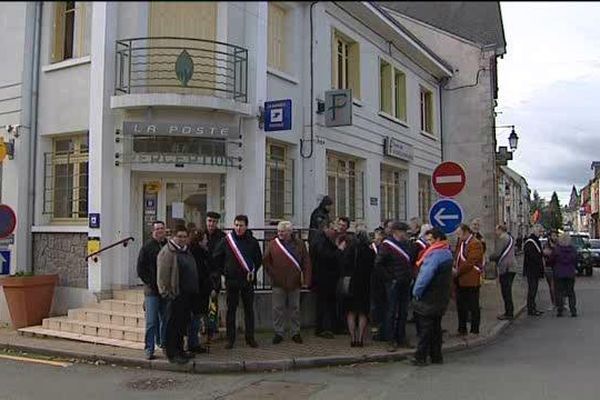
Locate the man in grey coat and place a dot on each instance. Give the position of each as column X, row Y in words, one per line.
column 506, row 264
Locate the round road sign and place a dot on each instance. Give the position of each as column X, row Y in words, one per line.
column 446, row 214
column 449, row 179
column 8, row 221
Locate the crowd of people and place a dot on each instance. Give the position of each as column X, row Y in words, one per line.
column 359, row 281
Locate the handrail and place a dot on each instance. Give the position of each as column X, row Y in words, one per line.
column 124, row 242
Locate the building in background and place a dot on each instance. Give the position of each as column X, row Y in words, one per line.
column 514, row 203
column 470, row 36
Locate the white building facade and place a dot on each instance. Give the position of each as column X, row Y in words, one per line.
column 132, row 112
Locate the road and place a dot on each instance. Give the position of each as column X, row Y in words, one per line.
column 536, row 358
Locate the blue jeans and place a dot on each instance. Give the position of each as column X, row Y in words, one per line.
column 396, row 310
column 156, row 323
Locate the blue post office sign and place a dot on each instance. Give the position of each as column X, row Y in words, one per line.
column 278, row 115
column 94, row 220
column 4, row 262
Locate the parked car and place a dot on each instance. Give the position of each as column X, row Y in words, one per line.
column 581, row 241
column 595, row 249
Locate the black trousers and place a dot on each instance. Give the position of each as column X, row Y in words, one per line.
column 326, row 307
column 565, row 287
column 178, row 318
column 235, row 290
column 506, row 281
column 430, row 338
column 532, row 289
column 467, row 305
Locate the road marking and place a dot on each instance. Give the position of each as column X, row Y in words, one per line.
column 36, row 361
column 448, row 179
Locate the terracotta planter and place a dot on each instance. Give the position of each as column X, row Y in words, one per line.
column 29, row 298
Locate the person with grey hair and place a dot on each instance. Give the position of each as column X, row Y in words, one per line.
column 288, row 265
column 533, row 268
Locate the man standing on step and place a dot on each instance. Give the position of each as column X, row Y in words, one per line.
column 238, row 255
column 154, row 305
column 214, row 235
column 533, row 268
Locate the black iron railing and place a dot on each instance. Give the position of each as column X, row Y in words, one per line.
column 181, row 65
column 94, row 255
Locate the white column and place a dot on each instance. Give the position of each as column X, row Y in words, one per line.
column 412, row 206
column 372, row 189
column 253, row 172
column 101, row 142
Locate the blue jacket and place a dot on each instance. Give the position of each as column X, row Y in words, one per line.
column 432, row 288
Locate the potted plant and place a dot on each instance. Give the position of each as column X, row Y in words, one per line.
column 29, row 297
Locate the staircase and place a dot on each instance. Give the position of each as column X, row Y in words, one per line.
column 117, row 322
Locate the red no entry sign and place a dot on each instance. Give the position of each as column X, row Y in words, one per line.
column 449, row 179
column 8, row 221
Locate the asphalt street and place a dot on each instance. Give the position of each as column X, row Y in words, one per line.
column 536, row 358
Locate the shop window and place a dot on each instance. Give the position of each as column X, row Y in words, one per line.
column 345, row 187
column 393, row 194
column 346, row 64
column 425, row 198
column 66, row 179
column 279, row 184
column 71, row 30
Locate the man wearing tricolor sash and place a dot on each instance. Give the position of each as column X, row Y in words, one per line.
column 467, row 278
column 238, row 257
column 533, row 268
column 506, row 264
column 393, row 268
column 288, row 265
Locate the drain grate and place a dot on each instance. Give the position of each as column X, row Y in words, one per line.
column 152, row 384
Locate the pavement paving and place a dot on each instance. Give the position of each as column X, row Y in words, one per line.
column 314, row 352
column 536, row 358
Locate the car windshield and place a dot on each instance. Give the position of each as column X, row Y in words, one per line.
column 580, row 241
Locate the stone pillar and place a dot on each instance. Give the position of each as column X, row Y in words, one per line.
column 101, row 142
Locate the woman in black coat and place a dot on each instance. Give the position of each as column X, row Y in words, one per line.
column 357, row 306
column 199, row 249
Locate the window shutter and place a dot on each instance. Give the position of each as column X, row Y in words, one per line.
column 354, row 69
column 59, row 31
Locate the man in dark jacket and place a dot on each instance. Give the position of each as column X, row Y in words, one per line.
column 533, row 268
column 213, row 236
column 239, row 257
column 394, row 268
column 432, row 295
column 320, row 218
column 326, row 274
column 153, row 303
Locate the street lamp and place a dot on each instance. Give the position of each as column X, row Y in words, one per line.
column 513, row 139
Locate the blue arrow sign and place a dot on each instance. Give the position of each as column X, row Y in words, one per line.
column 4, row 262
column 446, row 214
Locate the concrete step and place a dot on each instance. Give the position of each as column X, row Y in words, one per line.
column 40, row 331
column 123, row 306
column 119, row 332
column 133, row 295
column 109, row 317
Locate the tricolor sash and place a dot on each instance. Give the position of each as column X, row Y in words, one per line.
column 421, row 243
column 288, row 254
column 534, row 243
column 461, row 253
column 507, row 250
column 238, row 253
column 373, row 247
column 397, row 249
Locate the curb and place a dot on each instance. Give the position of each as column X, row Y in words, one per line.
column 219, row 367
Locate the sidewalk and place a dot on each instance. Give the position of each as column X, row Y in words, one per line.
column 315, row 352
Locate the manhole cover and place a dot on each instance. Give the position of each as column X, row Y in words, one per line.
column 152, row 384
column 266, row 390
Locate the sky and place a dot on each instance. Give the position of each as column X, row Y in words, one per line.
column 549, row 88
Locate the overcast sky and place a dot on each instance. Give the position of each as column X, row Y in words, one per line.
column 549, row 83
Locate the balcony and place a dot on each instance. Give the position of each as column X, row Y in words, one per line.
column 181, row 72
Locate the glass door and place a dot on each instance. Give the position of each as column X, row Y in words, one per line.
column 186, row 203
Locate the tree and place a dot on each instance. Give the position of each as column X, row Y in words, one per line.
column 537, row 206
column 554, row 213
